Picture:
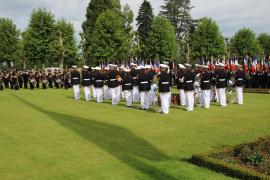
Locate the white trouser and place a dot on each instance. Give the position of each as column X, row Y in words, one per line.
column 136, row 94
column 152, row 93
column 99, row 93
column 87, row 93
column 128, row 97
column 145, row 99
column 118, row 93
column 190, row 100
column 182, row 97
column 94, row 91
column 239, row 95
column 221, row 94
column 106, row 92
column 165, row 102
column 114, row 94
column 206, row 98
column 76, row 89
column 212, row 93
column 122, row 93
column 216, row 96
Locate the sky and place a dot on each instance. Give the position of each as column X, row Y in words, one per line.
column 231, row 15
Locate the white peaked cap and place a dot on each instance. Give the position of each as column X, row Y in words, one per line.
column 86, row 67
column 147, row 67
column 188, row 65
column 204, row 66
column 221, row 65
column 97, row 68
column 133, row 64
column 181, row 66
column 74, row 66
column 163, row 66
column 127, row 70
column 165, row 62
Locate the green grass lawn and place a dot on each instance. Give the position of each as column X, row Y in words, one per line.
column 45, row 134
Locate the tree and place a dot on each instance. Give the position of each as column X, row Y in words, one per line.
column 9, row 38
column 38, row 37
column 264, row 41
column 144, row 22
column 244, row 43
column 179, row 13
column 65, row 43
column 207, row 40
column 93, row 11
column 162, row 40
column 110, row 40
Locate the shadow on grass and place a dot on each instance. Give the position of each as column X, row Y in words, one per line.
column 117, row 141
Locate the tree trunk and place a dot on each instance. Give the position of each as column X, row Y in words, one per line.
column 61, row 61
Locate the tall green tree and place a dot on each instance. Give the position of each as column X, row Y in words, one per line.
column 93, row 11
column 110, row 39
column 264, row 41
column 9, row 38
column 162, row 40
column 65, row 43
column 244, row 43
column 38, row 37
column 207, row 40
column 144, row 22
column 179, row 13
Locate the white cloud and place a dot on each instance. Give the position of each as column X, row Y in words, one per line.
column 231, row 15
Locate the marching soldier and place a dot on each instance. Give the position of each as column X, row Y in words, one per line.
column 25, row 77
column 75, row 81
column 50, row 79
column 189, row 78
column 1, row 82
column 134, row 73
column 44, row 80
column 127, row 87
column 164, row 85
column 221, row 84
column 32, row 80
column 181, row 84
column 239, row 84
column 37, row 77
column 86, row 82
column 20, row 79
column 99, row 83
column 113, row 85
column 145, row 87
column 206, row 78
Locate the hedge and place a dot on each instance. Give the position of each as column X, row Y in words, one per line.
column 232, row 170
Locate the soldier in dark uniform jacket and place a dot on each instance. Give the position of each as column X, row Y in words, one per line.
column 164, row 86
column 75, row 81
column 145, row 87
column 206, row 78
column 99, row 83
column 37, row 77
column 1, row 82
column 20, row 79
column 113, row 85
column 181, row 84
column 134, row 74
column 25, row 79
column 127, row 87
column 189, row 78
column 221, row 84
column 6, row 80
column 239, row 84
column 86, row 82
column 50, row 79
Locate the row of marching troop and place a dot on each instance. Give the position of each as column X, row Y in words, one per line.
column 153, row 87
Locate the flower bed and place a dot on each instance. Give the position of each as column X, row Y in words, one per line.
column 245, row 161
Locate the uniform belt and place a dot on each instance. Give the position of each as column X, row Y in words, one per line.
column 86, row 79
column 221, row 80
column 99, row 80
column 241, row 79
column 165, row 83
column 189, row 81
column 75, row 78
column 145, row 82
column 134, row 77
column 206, row 81
column 112, row 79
column 128, row 84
